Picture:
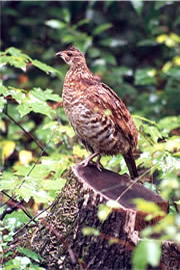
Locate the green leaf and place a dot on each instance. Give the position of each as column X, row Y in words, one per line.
column 153, row 132
column 14, row 51
column 170, row 122
column 24, row 109
column 57, row 184
column 3, row 101
column 90, row 231
column 148, row 207
column 66, row 15
column 36, row 101
column 151, row 186
column 56, row 24
column 3, row 89
column 81, row 22
column 29, row 253
column 46, row 68
column 45, row 94
column 16, row 58
column 146, row 252
column 16, row 61
column 8, row 148
column 147, row 42
column 41, row 107
column 8, row 181
column 103, row 212
column 17, row 94
column 138, row 5
column 173, row 144
column 109, row 58
column 162, row 3
column 101, row 28
column 145, row 76
column 174, row 72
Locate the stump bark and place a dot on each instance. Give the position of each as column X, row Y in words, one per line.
column 59, row 238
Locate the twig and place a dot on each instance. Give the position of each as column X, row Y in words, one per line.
column 32, row 219
column 134, row 182
column 145, row 137
column 27, row 133
column 34, row 165
column 14, row 204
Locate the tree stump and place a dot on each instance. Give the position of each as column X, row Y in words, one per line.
column 59, row 239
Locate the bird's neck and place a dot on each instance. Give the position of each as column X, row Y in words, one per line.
column 78, row 72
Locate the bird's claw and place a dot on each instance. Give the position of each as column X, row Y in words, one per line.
column 86, row 162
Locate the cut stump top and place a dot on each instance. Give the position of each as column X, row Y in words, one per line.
column 112, row 186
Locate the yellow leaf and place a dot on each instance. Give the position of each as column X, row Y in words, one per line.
column 167, row 66
column 25, row 157
column 151, row 73
column 175, row 37
column 78, row 151
column 2, row 125
column 158, row 147
column 170, row 42
column 148, row 207
column 7, row 149
column 161, row 38
column 176, row 60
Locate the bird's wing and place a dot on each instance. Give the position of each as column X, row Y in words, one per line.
column 112, row 106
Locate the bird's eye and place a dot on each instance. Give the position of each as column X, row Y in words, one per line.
column 69, row 54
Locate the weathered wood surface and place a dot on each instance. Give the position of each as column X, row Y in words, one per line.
column 59, row 239
column 113, row 186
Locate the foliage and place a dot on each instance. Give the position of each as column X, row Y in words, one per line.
column 133, row 46
column 147, row 252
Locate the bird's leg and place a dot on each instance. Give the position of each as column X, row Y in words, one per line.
column 90, row 158
column 98, row 163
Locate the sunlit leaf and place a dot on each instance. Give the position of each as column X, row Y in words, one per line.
column 45, row 67
column 36, row 101
column 101, row 28
column 2, row 103
column 144, row 76
column 79, row 151
column 29, row 253
column 17, row 94
column 56, row 24
column 45, row 95
column 138, row 5
column 3, row 89
column 90, row 231
column 7, row 149
column 169, row 123
column 66, row 15
column 57, row 185
column 25, row 157
column 148, row 207
column 103, row 212
column 8, row 181
column 146, row 252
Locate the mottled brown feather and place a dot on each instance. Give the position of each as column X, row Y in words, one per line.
column 97, row 114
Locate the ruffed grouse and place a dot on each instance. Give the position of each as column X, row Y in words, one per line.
column 98, row 116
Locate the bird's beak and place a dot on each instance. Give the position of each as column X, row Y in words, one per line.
column 59, row 54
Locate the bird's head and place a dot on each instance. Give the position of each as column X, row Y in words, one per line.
column 72, row 56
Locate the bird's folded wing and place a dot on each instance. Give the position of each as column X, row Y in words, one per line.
column 108, row 102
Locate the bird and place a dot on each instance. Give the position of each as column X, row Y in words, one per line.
column 98, row 116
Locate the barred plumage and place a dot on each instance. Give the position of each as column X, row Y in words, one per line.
column 98, row 116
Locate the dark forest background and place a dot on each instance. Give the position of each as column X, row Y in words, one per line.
column 133, row 47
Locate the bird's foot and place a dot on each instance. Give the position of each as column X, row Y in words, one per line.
column 84, row 163
column 87, row 161
column 99, row 165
